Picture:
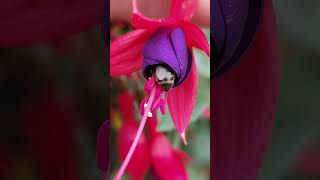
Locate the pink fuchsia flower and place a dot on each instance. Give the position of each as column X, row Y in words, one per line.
column 162, row 49
column 244, row 98
column 167, row 42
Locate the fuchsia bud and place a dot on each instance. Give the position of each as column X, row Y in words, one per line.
column 168, row 46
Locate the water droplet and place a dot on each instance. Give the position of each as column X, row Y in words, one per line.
column 149, row 114
column 145, row 105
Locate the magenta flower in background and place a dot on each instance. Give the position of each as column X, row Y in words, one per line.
column 167, row 162
column 244, row 98
column 153, row 152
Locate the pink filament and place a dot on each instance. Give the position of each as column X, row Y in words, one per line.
column 136, row 139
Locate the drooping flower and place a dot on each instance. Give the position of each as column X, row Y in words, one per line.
column 244, row 97
column 165, row 42
column 162, row 49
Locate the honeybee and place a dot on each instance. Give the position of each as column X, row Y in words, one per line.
column 164, row 77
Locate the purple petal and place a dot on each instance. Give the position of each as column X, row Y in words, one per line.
column 233, row 24
column 168, row 46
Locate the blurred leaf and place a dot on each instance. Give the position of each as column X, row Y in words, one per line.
column 165, row 121
column 200, row 143
column 195, row 174
column 298, row 23
column 297, row 122
column 203, row 101
column 202, row 63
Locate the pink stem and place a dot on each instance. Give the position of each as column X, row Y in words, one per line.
column 157, row 101
column 136, row 139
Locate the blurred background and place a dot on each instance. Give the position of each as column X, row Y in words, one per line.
column 294, row 152
column 54, row 98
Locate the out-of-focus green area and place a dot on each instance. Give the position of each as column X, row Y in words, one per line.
column 294, row 150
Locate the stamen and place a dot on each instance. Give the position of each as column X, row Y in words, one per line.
column 136, row 139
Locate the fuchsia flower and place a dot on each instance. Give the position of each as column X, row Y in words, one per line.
column 165, row 43
column 168, row 42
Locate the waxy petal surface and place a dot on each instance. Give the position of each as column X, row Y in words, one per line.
column 244, row 101
column 125, row 102
column 183, row 9
column 182, row 99
column 196, row 38
column 126, row 52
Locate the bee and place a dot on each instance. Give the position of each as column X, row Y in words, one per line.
column 164, row 77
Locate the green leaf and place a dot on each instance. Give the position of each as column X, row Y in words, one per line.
column 202, row 63
column 195, row 173
column 200, row 143
column 297, row 123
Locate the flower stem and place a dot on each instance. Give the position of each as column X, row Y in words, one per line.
column 136, row 139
